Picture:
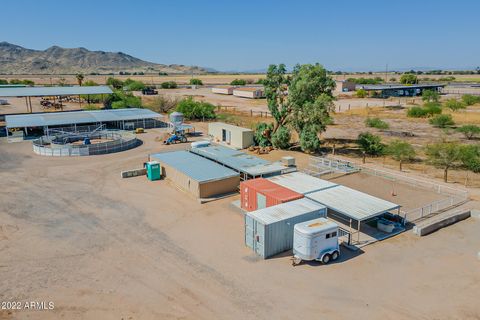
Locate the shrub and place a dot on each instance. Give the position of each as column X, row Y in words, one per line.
column 260, row 81
column 432, row 108
column 281, row 138
column 91, row 107
column 370, row 143
column 163, row 104
column 120, row 100
column 133, row 85
column 430, row 96
column 469, row 130
column 238, row 82
column 442, row 121
column 192, row 109
column 469, row 99
column 417, row 112
column 3, row 81
column 309, row 141
column 393, row 79
column 25, row 82
column 408, row 78
column 89, row 83
column 400, row 151
column 361, row 93
column 169, row 85
column 115, row 83
column 376, row 123
column 196, row 82
column 262, row 134
column 454, row 104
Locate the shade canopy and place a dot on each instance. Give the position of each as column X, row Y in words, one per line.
column 52, row 91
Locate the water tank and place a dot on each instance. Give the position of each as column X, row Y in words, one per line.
column 176, row 118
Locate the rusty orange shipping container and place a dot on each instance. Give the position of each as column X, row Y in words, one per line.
column 261, row 193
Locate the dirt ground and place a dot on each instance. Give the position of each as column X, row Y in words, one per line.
column 101, row 247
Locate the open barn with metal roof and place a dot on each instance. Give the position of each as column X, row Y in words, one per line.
column 126, row 119
column 397, row 90
column 196, row 175
column 301, row 182
column 247, row 165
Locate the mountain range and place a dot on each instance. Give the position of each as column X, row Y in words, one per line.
column 15, row 59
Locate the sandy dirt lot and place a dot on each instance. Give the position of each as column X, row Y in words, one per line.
column 73, row 232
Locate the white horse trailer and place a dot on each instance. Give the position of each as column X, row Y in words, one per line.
column 316, row 240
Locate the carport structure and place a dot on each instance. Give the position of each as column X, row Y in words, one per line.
column 352, row 206
column 29, row 92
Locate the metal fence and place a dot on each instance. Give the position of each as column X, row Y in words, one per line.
column 116, row 141
column 319, row 166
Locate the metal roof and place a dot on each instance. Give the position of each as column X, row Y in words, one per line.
column 302, row 182
column 230, row 126
column 352, row 203
column 315, row 226
column 285, row 211
column 52, row 91
column 239, row 161
column 398, row 87
column 77, row 117
column 196, row 167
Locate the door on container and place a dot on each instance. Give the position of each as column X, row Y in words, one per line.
column 224, row 135
column 259, row 238
column 249, row 232
column 228, row 136
column 261, row 201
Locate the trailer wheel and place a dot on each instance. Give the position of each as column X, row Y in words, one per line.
column 326, row 258
column 335, row 255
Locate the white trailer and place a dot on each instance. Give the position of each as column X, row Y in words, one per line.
column 316, row 240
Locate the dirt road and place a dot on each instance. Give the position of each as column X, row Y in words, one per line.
column 99, row 247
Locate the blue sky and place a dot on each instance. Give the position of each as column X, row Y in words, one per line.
column 249, row 35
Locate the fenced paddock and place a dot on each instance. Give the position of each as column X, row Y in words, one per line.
column 398, row 188
column 106, row 141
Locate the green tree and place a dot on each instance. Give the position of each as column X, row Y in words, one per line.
column 470, row 99
column 196, row 110
column 454, row 104
column 361, row 93
column 3, row 81
column 310, row 97
column 196, row 82
column 121, row 100
column 115, row 83
column 263, row 133
column 309, row 141
column 430, row 96
column 238, row 82
column 370, row 144
column 470, row 158
column 169, row 85
column 275, row 85
column 442, row 121
column 401, row 151
column 469, row 130
column 444, row 155
column 281, row 138
column 80, row 78
column 89, row 83
column 408, row 78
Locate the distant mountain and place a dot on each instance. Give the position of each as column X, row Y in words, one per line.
column 56, row 60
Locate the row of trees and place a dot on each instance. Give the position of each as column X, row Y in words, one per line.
column 18, row 81
column 445, row 155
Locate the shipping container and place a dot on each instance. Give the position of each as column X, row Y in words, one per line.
column 301, row 182
column 261, row 193
column 269, row 231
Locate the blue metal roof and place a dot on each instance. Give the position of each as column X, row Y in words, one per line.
column 52, row 91
column 194, row 166
column 398, row 87
column 239, row 161
column 78, row 117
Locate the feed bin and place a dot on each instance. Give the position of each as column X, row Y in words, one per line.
column 153, row 170
column 261, row 193
column 269, row 231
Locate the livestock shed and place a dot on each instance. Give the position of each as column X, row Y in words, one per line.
column 125, row 119
column 301, row 182
column 414, row 90
column 196, row 175
column 269, row 231
column 247, row 165
column 261, row 193
column 349, row 205
column 249, row 92
column 230, row 135
column 223, row 89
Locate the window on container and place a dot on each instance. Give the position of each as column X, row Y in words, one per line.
column 327, row 236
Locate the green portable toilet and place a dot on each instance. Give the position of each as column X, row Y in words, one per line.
column 153, row 170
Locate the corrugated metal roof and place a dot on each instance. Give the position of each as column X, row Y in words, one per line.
column 268, row 188
column 229, row 126
column 352, row 203
column 78, row 117
column 285, row 211
column 249, row 89
column 239, row 161
column 301, row 182
column 196, row 167
column 315, row 226
column 398, row 87
column 53, row 91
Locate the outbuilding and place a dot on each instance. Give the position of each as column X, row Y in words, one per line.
column 230, row 135
column 261, row 193
column 301, row 182
column 269, row 231
column 344, row 86
column 196, row 175
column 223, row 89
column 249, row 92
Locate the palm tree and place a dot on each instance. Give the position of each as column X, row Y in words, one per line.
column 80, row 78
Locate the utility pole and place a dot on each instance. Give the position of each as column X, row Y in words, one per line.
column 386, row 73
